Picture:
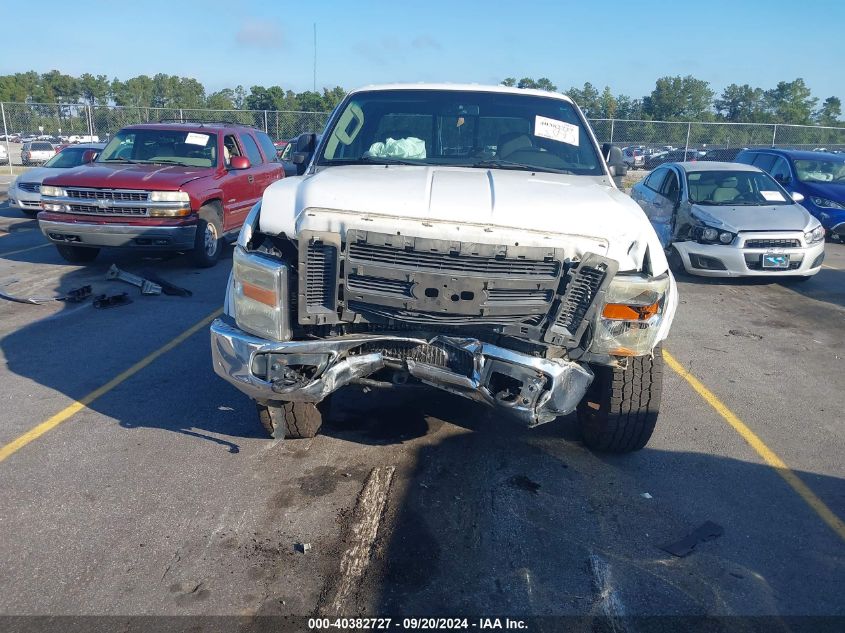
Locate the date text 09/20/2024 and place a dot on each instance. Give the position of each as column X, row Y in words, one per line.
column 416, row 623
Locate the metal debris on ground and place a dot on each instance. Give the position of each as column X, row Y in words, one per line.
column 104, row 301
column 73, row 296
column 303, row 548
column 706, row 532
column 147, row 287
column 645, row 495
column 30, row 300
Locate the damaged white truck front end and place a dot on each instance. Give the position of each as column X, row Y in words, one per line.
column 523, row 284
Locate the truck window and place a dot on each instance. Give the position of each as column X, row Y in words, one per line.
column 230, row 148
column 267, row 147
column 251, row 149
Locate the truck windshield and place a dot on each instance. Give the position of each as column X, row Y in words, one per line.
column 163, row 147
column 461, row 128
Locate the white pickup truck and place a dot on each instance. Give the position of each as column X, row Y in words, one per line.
column 469, row 238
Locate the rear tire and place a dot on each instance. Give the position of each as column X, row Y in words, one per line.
column 77, row 254
column 208, row 242
column 291, row 420
column 620, row 409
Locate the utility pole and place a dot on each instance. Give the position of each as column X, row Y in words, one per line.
column 315, row 57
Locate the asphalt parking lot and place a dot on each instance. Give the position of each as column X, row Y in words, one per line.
column 137, row 482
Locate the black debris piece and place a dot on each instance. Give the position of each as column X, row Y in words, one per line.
column 77, row 294
column 521, row 482
column 166, row 287
column 104, row 301
column 706, row 532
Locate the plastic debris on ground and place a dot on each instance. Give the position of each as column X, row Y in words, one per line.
column 104, row 301
column 706, row 532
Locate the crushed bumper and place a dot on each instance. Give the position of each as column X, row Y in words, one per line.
column 538, row 389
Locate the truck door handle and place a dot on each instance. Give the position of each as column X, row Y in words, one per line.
column 250, row 178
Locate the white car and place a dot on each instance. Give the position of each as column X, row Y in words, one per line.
column 25, row 190
column 4, row 155
column 719, row 219
column 36, row 152
column 411, row 251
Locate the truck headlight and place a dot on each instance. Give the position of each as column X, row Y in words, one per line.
column 629, row 322
column 48, row 190
column 259, row 295
column 814, row 235
column 169, row 196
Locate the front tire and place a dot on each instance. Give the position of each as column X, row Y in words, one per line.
column 291, row 420
column 208, row 241
column 620, row 409
column 77, row 254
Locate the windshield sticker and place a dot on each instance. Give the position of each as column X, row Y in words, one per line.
column 773, row 196
column 559, row 131
column 197, row 139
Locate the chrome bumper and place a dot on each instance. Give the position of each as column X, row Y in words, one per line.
column 119, row 235
column 548, row 388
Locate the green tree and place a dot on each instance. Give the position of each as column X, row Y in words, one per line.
column 94, row 90
column 791, row 102
column 679, row 98
column 830, row 112
column 741, row 104
column 628, row 108
column 510, row 82
column 587, row 99
column 221, row 100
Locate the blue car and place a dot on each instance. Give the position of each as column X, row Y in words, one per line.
column 818, row 176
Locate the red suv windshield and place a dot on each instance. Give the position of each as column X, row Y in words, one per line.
column 164, row 147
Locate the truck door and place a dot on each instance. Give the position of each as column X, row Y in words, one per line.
column 237, row 186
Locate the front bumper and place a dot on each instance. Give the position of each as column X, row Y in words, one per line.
column 118, row 235
column 25, row 200
column 544, row 389
column 737, row 259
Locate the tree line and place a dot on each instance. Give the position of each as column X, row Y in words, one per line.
column 690, row 99
column 158, row 91
column 672, row 99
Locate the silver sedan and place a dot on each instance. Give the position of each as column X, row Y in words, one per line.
column 730, row 220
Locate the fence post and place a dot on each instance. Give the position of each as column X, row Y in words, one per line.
column 774, row 134
column 91, row 120
column 6, row 132
column 266, row 129
column 612, row 121
column 686, row 147
column 181, row 118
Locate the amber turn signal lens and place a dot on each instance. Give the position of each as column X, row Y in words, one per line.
column 622, row 312
column 262, row 295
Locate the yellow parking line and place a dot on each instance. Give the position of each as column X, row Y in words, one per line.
column 768, row 455
column 66, row 413
column 24, row 250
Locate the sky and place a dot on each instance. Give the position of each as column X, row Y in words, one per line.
column 625, row 45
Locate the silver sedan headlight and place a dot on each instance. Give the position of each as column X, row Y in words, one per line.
column 814, row 235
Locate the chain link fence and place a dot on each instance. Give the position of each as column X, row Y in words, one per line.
column 647, row 143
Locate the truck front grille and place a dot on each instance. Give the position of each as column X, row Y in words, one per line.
column 436, row 354
column 124, row 195
column 320, row 275
column 86, row 209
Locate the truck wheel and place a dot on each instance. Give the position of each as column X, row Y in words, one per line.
column 77, row 254
column 619, row 411
column 291, row 420
column 208, row 242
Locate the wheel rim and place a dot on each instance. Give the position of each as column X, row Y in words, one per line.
column 210, row 239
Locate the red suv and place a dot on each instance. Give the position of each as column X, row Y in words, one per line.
column 160, row 186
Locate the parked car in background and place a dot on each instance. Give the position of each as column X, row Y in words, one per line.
column 818, row 176
column 37, row 152
column 389, row 260
column 25, row 190
column 280, row 147
column 160, row 186
column 4, row 155
column 721, row 154
column 634, row 158
column 28, row 138
column 83, row 138
column 730, row 220
column 674, row 156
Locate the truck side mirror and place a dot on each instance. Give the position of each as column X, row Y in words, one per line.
column 239, row 162
column 88, row 156
column 303, row 150
column 615, row 163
